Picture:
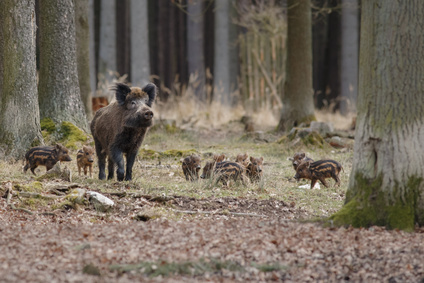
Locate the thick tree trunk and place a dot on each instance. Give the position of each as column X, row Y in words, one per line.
column 19, row 116
column 225, row 74
column 83, row 54
column 349, row 56
column 196, row 63
column 59, row 93
column 298, row 106
column 140, row 63
column 107, row 65
column 92, row 47
column 386, row 184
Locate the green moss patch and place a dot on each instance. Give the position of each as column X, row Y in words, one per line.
column 371, row 206
column 151, row 154
column 34, row 187
column 66, row 133
column 72, row 136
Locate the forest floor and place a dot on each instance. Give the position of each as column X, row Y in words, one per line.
column 165, row 229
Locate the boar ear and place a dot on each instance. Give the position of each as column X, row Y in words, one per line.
column 150, row 89
column 121, row 92
column 302, row 155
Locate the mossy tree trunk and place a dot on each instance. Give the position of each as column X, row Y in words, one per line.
column 58, row 88
column 386, row 184
column 19, row 116
column 298, row 104
column 83, row 54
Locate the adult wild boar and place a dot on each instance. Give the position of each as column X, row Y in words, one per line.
column 119, row 128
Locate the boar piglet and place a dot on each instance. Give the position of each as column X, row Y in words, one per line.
column 254, row 169
column 227, row 170
column 297, row 158
column 210, row 165
column 319, row 170
column 45, row 156
column 191, row 167
column 119, row 129
column 243, row 159
column 85, row 159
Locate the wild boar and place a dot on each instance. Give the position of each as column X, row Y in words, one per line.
column 45, row 156
column 254, row 169
column 85, row 159
column 191, row 167
column 224, row 171
column 243, row 159
column 210, row 165
column 297, row 158
column 319, row 170
column 119, row 129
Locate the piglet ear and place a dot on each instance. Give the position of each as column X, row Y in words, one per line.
column 150, row 89
column 121, row 92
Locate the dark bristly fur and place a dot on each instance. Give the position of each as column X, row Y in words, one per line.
column 119, row 129
column 224, row 171
column 210, row 165
column 45, row 156
column 85, row 159
column 319, row 170
column 191, row 167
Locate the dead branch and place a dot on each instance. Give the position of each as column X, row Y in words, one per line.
column 219, row 212
column 268, row 80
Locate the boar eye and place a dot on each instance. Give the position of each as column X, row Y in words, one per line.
column 86, row 153
column 133, row 103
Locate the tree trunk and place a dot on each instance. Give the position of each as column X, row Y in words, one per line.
column 386, row 185
column 19, row 116
column 92, row 47
column 225, row 75
column 83, row 54
column 196, row 64
column 107, row 65
column 59, row 93
column 140, row 63
column 298, row 105
column 349, row 56
column 123, row 45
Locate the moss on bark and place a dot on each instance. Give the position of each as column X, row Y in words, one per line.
column 372, row 206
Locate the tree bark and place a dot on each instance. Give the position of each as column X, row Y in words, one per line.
column 349, row 56
column 386, row 183
column 298, row 106
column 140, row 63
column 107, row 65
column 225, row 57
column 195, row 58
column 83, row 54
column 59, row 93
column 19, row 116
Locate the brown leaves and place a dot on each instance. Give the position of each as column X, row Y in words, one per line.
column 263, row 249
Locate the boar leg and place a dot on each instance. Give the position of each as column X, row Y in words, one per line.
column 117, row 157
column 337, row 179
column 33, row 168
column 110, row 168
column 324, row 182
column 130, row 163
column 101, row 160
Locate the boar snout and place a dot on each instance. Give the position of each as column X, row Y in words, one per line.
column 148, row 115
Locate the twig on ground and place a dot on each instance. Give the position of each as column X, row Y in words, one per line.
column 219, row 212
